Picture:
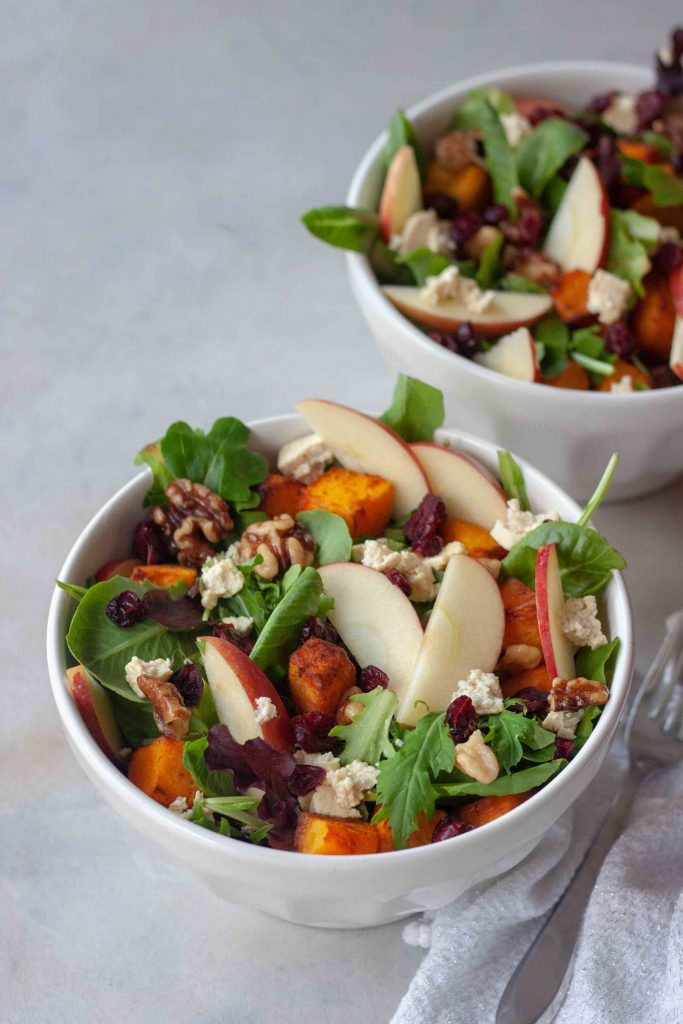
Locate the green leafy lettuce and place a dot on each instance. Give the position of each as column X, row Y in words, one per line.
column 598, row 664
column 512, row 479
column 488, row 265
column 665, row 189
column 401, row 133
column 210, row 783
column 416, row 410
column 553, row 335
column 586, row 558
column 331, row 535
column 366, row 738
column 280, row 635
column 507, row 732
column 505, row 785
column 343, row 227
column 632, row 238
column 468, row 114
column 542, row 153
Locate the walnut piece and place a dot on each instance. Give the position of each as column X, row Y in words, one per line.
column 535, row 265
column 475, row 759
column 281, row 542
column 518, row 658
column 193, row 521
column 574, row 694
column 457, row 149
column 168, row 707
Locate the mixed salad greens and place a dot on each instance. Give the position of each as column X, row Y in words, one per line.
column 540, row 240
column 373, row 645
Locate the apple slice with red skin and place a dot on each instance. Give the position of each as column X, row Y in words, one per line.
column 95, row 708
column 676, row 356
column 236, row 683
column 469, row 490
column 507, row 312
column 375, row 619
column 513, row 355
column 465, row 632
column 578, row 235
column 558, row 652
column 402, row 193
column 117, row 567
column 365, row 445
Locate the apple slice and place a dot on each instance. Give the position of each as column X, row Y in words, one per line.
column 96, row 710
column 375, row 620
column 470, row 491
column 579, row 232
column 117, row 567
column 557, row 650
column 514, row 355
column 402, row 193
column 507, row 311
column 676, row 356
column 464, row 632
column 236, row 684
column 365, row 445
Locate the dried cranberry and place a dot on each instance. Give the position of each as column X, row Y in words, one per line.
column 399, row 580
column 494, row 214
column 662, row 376
column 229, row 633
column 607, row 162
column 463, row 342
column 649, row 106
column 618, row 339
column 461, row 718
column 423, row 529
column 319, row 630
column 445, row 207
column 535, row 701
column 126, row 609
column 305, row 778
column 371, row 677
column 563, row 748
column 539, row 114
column 677, row 161
column 526, row 230
column 188, row 681
column 465, row 226
column 600, row 103
column 149, row 544
column 448, row 828
column 668, row 257
column 311, row 730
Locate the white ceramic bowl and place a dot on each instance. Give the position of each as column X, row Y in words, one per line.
column 569, row 434
column 331, row 892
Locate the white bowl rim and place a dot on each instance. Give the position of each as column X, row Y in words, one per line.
column 165, row 821
column 359, row 263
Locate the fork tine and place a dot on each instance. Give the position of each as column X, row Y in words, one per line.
column 660, row 679
column 674, row 712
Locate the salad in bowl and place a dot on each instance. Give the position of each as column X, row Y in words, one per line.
column 373, row 644
column 537, row 238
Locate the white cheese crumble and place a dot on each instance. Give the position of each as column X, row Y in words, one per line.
column 515, row 126
column 608, row 296
column 580, row 622
column 621, row 115
column 220, row 578
column 160, row 668
column 344, row 786
column 181, row 807
column 518, row 523
column 304, row 459
column 484, row 691
column 563, row 723
column 424, row 230
column 623, row 386
column 440, row 561
column 265, row 710
column 378, row 555
column 451, row 285
column 242, row 624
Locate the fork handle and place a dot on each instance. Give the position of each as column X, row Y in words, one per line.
column 543, row 975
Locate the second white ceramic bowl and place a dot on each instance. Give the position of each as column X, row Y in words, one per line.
column 569, row 434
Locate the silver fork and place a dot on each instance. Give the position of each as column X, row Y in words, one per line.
column 654, row 739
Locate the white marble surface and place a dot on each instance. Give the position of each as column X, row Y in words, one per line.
column 156, row 157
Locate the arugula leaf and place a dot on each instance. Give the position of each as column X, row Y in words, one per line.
column 505, row 785
column 416, row 410
column 586, row 559
column 366, row 738
column 512, row 479
column 598, row 664
column 220, row 825
column 423, row 263
column 402, row 133
column 507, row 731
column 500, row 158
column 518, row 283
column 405, row 785
column 488, row 265
column 632, row 238
column 331, row 535
column 239, row 809
column 280, row 634
column 665, row 189
column 544, row 151
column 343, row 227
column 553, row 335
column 210, row 783
column 468, row 114
column 600, row 491
column 78, row 593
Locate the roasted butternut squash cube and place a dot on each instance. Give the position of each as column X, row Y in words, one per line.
column 570, row 295
column 470, row 185
column 281, row 496
column 488, row 808
column 362, row 500
column 316, row 833
column 477, row 540
column 165, row 575
column 654, row 317
column 422, row 836
column 521, row 621
column 537, row 678
column 624, row 369
column 573, row 377
column 320, row 673
column 158, row 770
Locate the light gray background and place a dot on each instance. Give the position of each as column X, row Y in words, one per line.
column 155, row 159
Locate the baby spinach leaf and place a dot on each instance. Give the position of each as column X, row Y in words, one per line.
column 586, row 558
column 500, row 158
column 512, row 479
column 135, row 720
column 161, row 475
column 423, row 263
column 416, row 410
column 366, row 738
column 598, row 664
column 406, row 781
column 468, row 114
column 488, row 265
column 343, row 227
column 660, row 142
column 281, row 632
column 331, row 535
column 585, row 726
column 402, row 133
column 210, row 783
column 553, row 335
column 388, row 266
column 518, row 283
column 505, row 785
column 78, row 593
column 665, row 189
column 632, row 239
column 505, row 733
column 553, row 193
column 542, row 153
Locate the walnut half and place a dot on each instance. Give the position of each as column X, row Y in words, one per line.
column 281, row 542
column 194, row 520
column 574, row 694
column 168, row 707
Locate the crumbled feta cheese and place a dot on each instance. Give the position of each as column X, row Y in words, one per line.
column 304, row 459
column 179, row 806
column 451, row 285
column 242, row 624
column 160, row 668
column 484, row 691
column 378, row 555
column 621, row 114
column 424, row 230
column 220, row 578
column 563, row 723
column 608, row 296
column 515, row 126
column 344, row 786
column 580, row 622
column 265, row 710
column 623, row 386
column 439, row 562
column 518, row 523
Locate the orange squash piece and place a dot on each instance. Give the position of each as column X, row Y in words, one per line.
column 488, row 808
column 624, row 369
column 477, row 540
column 422, row 836
column 537, row 678
column 668, row 216
column 573, row 376
column 362, row 500
column 165, row 575
column 316, row 833
column 639, row 151
column 570, row 295
column 158, row 770
column 320, row 673
column 521, row 622
column 281, row 495
column 654, row 317
column 470, row 186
